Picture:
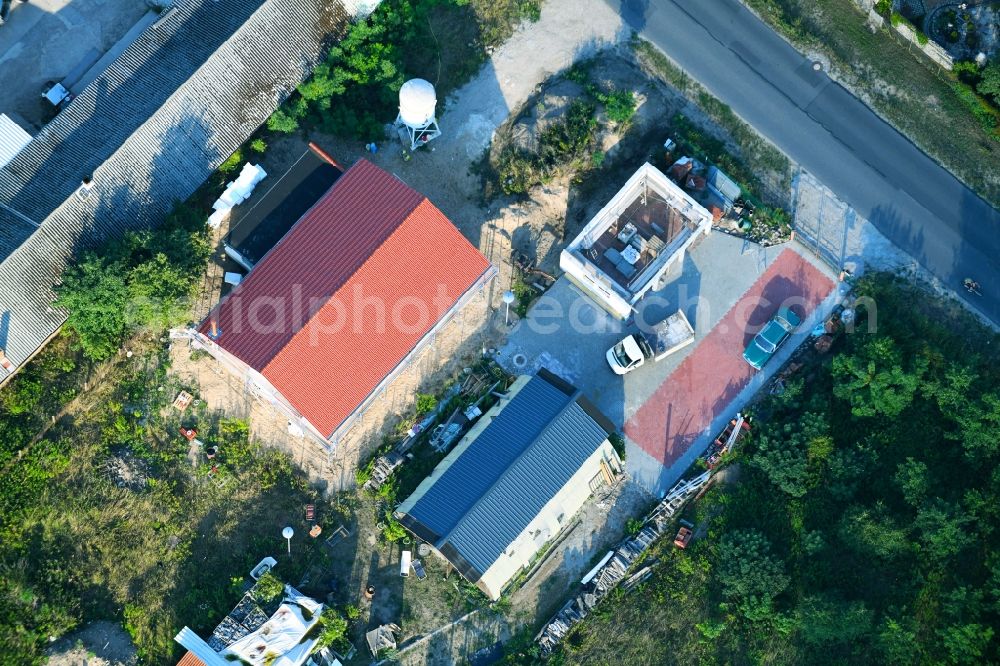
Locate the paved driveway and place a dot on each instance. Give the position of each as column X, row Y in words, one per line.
column 43, row 40
column 914, row 202
column 682, row 410
column 568, row 334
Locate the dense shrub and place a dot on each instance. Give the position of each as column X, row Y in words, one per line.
column 988, row 116
column 143, row 279
column 232, row 163
column 619, row 105
column 862, row 528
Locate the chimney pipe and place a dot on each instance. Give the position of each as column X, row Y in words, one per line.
column 213, row 331
column 4, row 361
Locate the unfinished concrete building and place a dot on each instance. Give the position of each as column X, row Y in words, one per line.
column 333, row 316
column 633, row 241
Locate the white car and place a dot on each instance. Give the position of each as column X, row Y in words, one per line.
column 629, row 354
column 663, row 339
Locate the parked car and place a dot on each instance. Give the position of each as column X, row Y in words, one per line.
column 664, row 339
column 766, row 343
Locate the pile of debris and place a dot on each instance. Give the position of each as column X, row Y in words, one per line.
column 725, row 442
column 246, row 618
column 383, row 469
column 612, row 570
column 125, row 470
column 382, row 638
column 444, row 435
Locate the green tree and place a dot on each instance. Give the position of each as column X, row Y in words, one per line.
column 141, row 279
column 897, row 643
column 979, row 427
column 823, row 620
column 989, row 82
column 792, row 457
column 966, row 643
column 913, row 480
column 847, row 468
column 750, row 575
column 320, row 88
column 158, row 292
column 875, row 382
column 945, row 530
column 282, row 121
column 95, row 294
column 873, row 531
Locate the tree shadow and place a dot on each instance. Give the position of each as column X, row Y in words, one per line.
column 634, row 13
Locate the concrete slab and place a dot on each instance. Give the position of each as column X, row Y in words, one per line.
column 567, row 333
column 43, row 40
column 684, row 407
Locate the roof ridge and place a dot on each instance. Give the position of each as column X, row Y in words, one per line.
column 342, row 182
column 570, row 401
column 326, row 300
column 163, row 152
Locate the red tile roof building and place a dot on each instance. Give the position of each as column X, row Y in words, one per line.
column 189, row 659
column 344, row 299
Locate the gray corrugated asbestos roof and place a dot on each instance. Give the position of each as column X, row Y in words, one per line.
column 150, row 129
column 501, row 482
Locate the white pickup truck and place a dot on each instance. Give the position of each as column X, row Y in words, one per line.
column 664, row 339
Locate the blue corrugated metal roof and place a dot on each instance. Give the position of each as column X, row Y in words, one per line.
column 500, row 483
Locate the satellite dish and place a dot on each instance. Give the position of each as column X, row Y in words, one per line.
column 417, row 102
column 288, row 532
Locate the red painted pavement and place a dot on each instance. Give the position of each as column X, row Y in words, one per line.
column 709, row 379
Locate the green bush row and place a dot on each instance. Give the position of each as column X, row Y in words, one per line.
column 144, row 279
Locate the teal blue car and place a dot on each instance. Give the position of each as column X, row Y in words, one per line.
column 765, row 344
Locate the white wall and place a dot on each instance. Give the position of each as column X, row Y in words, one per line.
column 566, row 503
column 602, row 288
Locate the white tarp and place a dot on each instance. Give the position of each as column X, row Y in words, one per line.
column 237, row 191
column 279, row 640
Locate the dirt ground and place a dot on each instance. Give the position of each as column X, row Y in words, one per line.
column 97, row 644
column 440, row 624
column 599, row 526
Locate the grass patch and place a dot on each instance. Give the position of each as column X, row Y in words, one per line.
column 168, row 548
column 909, row 90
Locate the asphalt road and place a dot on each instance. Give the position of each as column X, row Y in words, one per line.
column 912, row 200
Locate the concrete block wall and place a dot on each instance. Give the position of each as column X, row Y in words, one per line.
column 457, row 344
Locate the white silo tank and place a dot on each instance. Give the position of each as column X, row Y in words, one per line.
column 416, row 121
column 417, row 102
